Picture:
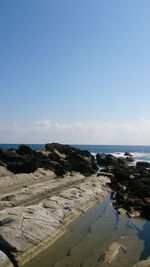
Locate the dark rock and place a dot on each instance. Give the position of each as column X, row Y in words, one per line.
column 10, row 157
column 71, row 158
column 23, row 167
column 58, row 158
column 110, row 160
column 11, row 149
column 122, row 160
column 143, row 164
column 24, row 149
column 1, row 150
column 66, row 149
column 105, row 159
column 128, row 154
column 131, row 185
column 130, row 159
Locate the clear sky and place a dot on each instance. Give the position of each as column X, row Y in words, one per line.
column 75, row 71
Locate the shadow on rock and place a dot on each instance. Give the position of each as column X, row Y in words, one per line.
column 8, row 250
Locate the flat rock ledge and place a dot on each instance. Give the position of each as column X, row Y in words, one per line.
column 27, row 230
column 10, row 180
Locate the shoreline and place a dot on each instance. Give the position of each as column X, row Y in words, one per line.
column 50, row 241
column 50, row 217
column 56, row 186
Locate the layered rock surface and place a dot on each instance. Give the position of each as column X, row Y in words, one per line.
column 27, row 230
column 40, row 192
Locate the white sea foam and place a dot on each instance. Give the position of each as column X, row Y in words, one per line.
column 120, row 154
column 93, row 154
column 136, row 155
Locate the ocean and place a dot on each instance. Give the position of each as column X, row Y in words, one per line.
column 138, row 152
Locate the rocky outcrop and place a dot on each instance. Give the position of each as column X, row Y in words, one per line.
column 19, row 162
column 105, row 159
column 128, row 154
column 71, row 159
column 27, row 230
column 10, row 182
column 56, row 157
column 131, row 188
column 110, row 160
column 143, row 164
column 40, row 188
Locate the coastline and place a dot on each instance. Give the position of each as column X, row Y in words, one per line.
column 55, row 187
column 57, row 234
column 71, row 202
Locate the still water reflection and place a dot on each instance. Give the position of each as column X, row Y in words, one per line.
column 87, row 238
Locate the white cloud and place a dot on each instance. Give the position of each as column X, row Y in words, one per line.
column 43, row 123
column 77, row 133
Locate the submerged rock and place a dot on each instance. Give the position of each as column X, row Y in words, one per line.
column 134, row 213
column 111, row 252
column 122, row 211
column 144, row 263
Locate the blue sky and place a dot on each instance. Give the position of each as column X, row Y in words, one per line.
column 70, row 66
